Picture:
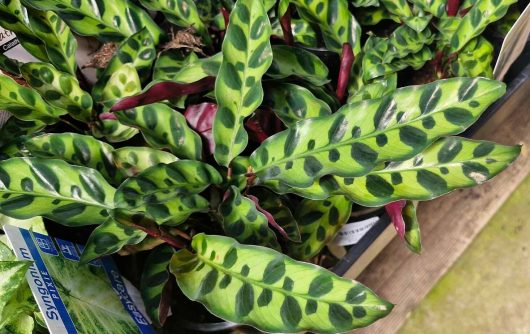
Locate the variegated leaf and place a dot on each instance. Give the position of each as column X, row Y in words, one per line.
column 268, row 290
column 59, row 89
column 155, row 284
column 243, row 222
column 293, row 103
column 417, row 21
column 435, row 7
column 163, row 127
column 59, row 42
column 108, row 238
column 365, row 3
column 379, row 87
column 302, row 31
column 191, row 70
column 107, row 21
column 12, row 276
column 133, row 160
column 69, row 195
column 183, row 13
column 372, row 16
column 319, row 222
column 412, row 227
column 338, row 25
column 168, row 193
column 355, row 139
column 15, row 129
column 246, row 56
column 474, row 60
column 294, row 61
column 9, row 65
column 170, row 62
column 482, row 13
column 404, row 41
column 26, row 103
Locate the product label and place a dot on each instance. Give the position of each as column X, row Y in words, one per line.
column 351, row 233
column 10, row 47
column 72, row 297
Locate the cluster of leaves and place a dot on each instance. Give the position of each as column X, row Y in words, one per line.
column 250, row 138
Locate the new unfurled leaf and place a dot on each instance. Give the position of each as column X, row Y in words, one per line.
column 294, row 61
column 163, row 127
column 412, row 227
column 168, row 192
column 108, row 238
column 355, row 139
column 319, row 221
column 268, row 290
column 107, row 21
column 200, row 118
column 338, row 25
column 293, row 103
column 243, row 222
column 246, row 56
column 155, row 284
column 69, row 195
column 59, row 89
column 26, row 103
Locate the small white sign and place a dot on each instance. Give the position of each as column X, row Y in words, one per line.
column 351, row 233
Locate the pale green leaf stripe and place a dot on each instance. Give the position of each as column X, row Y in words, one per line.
column 105, row 20
column 26, row 103
column 108, row 238
column 59, row 89
column 268, row 290
column 12, row 275
column 358, row 137
column 246, row 56
column 69, row 195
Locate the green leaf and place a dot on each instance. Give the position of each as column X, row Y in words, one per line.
column 9, row 65
column 404, row 41
column 294, row 61
column 412, row 227
column 302, row 31
column 138, row 50
column 337, row 24
column 435, row 7
column 448, row 164
column 268, row 290
column 365, row 3
column 107, row 21
column 155, row 284
column 372, row 16
column 108, row 238
column 246, row 56
column 15, row 129
column 69, row 195
column 293, row 103
column 12, row 275
column 319, row 222
column 183, row 13
column 170, row 62
column 163, row 127
column 474, row 60
column 75, row 149
column 6, row 254
column 35, row 224
column 243, row 222
column 482, row 13
column 59, row 89
column 191, row 71
column 15, row 18
column 168, row 193
column 59, row 42
column 26, row 103
column 133, row 160
column 379, row 87
column 355, row 139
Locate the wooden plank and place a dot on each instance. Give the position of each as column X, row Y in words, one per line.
column 450, row 223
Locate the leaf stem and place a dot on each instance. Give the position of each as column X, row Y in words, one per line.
column 285, row 23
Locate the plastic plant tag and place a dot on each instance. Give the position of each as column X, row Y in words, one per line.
column 10, row 47
column 73, row 297
column 351, row 233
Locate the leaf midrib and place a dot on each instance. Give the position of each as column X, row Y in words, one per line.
column 72, row 199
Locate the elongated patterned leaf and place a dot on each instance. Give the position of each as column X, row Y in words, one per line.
column 155, row 283
column 59, row 42
column 474, row 60
column 164, row 127
column 75, row 149
column 412, row 227
column 270, row 291
column 69, row 195
column 448, row 164
column 107, row 21
column 435, row 7
column 372, row 16
column 404, row 41
column 334, row 19
column 108, row 238
column 59, row 89
column 26, row 103
column 183, row 13
column 401, row 8
column 319, row 222
column 475, row 21
column 133, row 160
column 379, row 87
column 243, row 222
column 246, row 56
column 293, row 103
column 302, row 31
column 365, row 3
column 167, row 193
column 15, row 129
column 170, row 62
column 15, row 18
column 359, row 136
column 9, row 65
column 294, row 61
column 138, row 50
column 190, row 71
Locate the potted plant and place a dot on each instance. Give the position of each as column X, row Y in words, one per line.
column 218, row 149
